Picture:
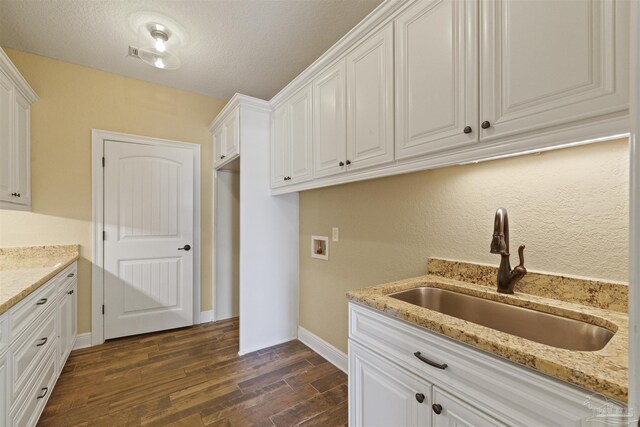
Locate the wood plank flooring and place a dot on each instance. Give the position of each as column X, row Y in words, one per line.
column 194, row 377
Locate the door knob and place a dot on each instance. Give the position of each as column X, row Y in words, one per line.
column 437, row 408
column 485, row 125
column 185, row 248
column 467, row 129
column 420, row 397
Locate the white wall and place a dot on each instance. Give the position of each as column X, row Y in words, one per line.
column 227, row 245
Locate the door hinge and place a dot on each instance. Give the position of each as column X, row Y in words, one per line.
column 102, row 161
column 104, row 235
column 103, row 309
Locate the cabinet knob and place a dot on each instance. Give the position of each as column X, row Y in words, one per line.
column 341, row 164
column 70, row 292
column 420, row 397
column 485, row 125
column 14, row 194
column 437, row 408
column 348, row 162
column 467, row 129
column 222, row 157
column 18, row 194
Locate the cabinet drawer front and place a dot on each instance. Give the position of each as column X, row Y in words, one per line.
column 28, row 407
column 21, row 316
column 30, row 349
column 517, row 395
column 27, row 310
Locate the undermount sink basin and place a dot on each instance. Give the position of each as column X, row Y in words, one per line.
column 533, row 325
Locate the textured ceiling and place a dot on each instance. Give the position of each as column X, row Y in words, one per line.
column 254, row 47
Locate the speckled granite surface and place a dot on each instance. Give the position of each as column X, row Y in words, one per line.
column 23, row 270
column 610, row 296
column 604, row 371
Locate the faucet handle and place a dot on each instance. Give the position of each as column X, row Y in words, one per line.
column 521, row 256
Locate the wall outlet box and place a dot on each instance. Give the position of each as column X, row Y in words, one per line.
column 320, row 247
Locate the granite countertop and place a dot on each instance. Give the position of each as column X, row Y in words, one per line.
column 23, row 270
column 604, row 371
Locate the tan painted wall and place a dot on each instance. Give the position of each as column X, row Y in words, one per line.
column 570, row 207
column 73, row 100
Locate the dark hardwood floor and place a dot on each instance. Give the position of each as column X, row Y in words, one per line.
column 194, row 377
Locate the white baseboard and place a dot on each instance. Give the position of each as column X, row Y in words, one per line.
column 324, row 349
column 206, row 316
column 82, row 341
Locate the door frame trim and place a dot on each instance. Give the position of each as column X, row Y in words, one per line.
column 98, row 137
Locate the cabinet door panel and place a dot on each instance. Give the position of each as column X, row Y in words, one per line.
column 456, row 413
column 219, row 145
column 64, row 318
column 232, row 137
column 574, row 68
column 370, row 101
column 436, row 76
column 279, row 143
column 329, row 121
column 381, row 394
column 6, row 139
column 22, row 150
column 300, row 136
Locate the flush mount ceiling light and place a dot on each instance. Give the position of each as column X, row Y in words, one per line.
column 157, row 42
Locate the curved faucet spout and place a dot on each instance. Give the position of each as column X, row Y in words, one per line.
column 507, row 278
column 500, row 241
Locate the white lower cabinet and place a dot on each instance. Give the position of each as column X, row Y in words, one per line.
column 381, row 394
column 3, row 390
column 391, row 384
column 67, row 321
column 36, row 337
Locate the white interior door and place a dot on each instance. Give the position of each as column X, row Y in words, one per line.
column 148, row 223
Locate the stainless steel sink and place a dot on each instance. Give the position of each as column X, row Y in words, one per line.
column 533, row 325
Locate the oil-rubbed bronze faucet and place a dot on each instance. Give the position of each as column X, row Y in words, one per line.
column 507, row 278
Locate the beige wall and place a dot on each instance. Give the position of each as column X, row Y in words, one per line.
column 570, row 207
column 73, row 100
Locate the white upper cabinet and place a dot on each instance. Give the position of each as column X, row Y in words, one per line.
column 421, row 84
column 6, row 140
column 22, row 150
column 329, row 121
column 218, row 145
column 279, row 146
column 291, row 140
column 300, row 136
column 436, row 76
column 226, row 138
column 370, row 101
column 232, row 134
column 547, row 63
column 16, row 97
